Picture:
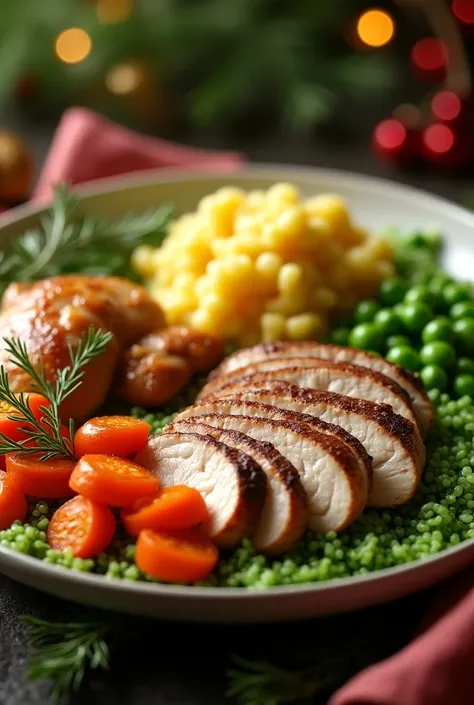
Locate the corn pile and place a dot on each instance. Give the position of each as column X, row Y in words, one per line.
column 263, row 265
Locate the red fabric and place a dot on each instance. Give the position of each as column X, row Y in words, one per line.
column 87, row 147
column 437, row 667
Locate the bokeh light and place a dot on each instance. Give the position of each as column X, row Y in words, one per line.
column 123, row 79
column 439, row 138
column 446, row 106
column 73, row 45
column 112, row 11
column 375, row 28
column 429, row 55
column 464, row 11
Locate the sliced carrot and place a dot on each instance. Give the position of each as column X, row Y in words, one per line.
column 181, row 557
column 84, row 526
column 13, row 504
column 15, row 430
column 112, row 435
column 115, row 481
column 41, row 478
column 176, row 507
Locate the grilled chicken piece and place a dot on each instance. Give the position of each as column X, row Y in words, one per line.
column 201, row 350
column 393, row 442
column 307, row 349
column 232, row 483
column 53, row 314
column 325, row 375
column 284, row 516
column 335, row 487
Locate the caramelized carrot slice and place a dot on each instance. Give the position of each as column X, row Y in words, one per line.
column 112, row 435
column 41, row 478
column 176, row 507
column 112, row 480
column 181, row 557
column 14, row 430
column 84, row 526
column 13, row 504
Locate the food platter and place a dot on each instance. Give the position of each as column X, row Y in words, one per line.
column 376, row 205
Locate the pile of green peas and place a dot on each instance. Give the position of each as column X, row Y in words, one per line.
column 427, row 328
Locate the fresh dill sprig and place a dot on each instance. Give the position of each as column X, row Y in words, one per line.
column 65, row 651
column 261, row 683
column 46, row 434
column 64, row 238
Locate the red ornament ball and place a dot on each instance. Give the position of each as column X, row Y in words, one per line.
column 393, row 142
column 429, row 58
column 442, row 146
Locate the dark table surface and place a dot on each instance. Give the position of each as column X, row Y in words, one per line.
column 164, row 664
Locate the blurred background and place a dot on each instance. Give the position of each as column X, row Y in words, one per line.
column 380, row 87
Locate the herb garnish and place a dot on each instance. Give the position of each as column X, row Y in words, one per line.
column 65, row 238
column 46, row 434
column 65, row 651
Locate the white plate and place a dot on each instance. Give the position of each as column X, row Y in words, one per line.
column 375, row 204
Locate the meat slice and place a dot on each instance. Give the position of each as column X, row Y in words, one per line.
column 336, row 486
column 284, row 516
column 407, row 381
column 325, row 375
column 231, row 482
column 397, row 450
column 268, row 411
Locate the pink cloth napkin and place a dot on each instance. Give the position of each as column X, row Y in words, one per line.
column 437, row 667
column 87, row 147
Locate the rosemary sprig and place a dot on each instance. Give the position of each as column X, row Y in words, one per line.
column 261, row 683
column 65, row 651
column 65, row 238
column 49, row 441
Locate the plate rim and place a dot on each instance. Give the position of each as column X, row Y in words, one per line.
column 149, row 178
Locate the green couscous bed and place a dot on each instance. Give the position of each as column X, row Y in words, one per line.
column 423, row 320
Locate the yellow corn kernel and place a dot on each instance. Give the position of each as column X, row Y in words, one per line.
column 255, row 200
column 290, row 278
column 185, row 281
column 273, row 327
column 379, row 248
column 286, row 305
column 324, row 299
column 245, row 222
column 329, row 207
column 287, row 193
column 268, row 264
column 204, row 321
column 304, row 326
column 247, row 242
column 143, row 260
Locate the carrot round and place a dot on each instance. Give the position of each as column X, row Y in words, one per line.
column 181, row 557
column 41, row 478
column 13, row 504
column 84, row 526
column 114, row 435
column 176, row 507
column 111, row 480
column 14, row 430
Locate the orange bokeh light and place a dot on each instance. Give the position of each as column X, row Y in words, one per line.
column 375, row 28
column 73, row 45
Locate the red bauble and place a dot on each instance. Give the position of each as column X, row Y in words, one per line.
column 394, row 142
column 443, row 146
column 429, row 59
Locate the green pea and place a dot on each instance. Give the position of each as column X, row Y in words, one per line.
column 404, row 356
column 415, row 316
column 465, row 365
column 340, row 336
column 418, row 294
column 455, row 292
column 392, row 291
column 464, row 331
column 434, row 377
column 463, row 309
column 438, row 353
column 365, row 311
column 394, row 341
column 464, row 385
column 437, row 329
column 365, row 336
column 387, row 322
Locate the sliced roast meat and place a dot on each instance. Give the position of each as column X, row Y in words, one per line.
column 335, row 487
column 397, row 450
column 284, row 516
column 325, row 375
column 241, row 358
column 250, row 408
column 231, row 482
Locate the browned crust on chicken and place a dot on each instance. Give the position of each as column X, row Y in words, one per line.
column 242, row 358
column 285, row 473
column 342, row 453
column 251, row 480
